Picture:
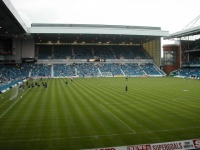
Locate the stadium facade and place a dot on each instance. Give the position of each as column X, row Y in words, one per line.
column 79, row 50
column 182, row 58
column 27, row 40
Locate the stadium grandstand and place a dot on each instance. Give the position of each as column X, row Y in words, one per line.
column 89, row 86
column 76, row 50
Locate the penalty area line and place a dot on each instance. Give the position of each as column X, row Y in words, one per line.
column 118, row 119
column 12, row 105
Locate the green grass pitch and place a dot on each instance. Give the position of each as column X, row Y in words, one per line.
column 96, row 112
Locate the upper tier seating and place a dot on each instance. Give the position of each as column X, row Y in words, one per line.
column 103, row 52
column 82, row 52
column 138, row 52
column 122, row 52
column 45, row 52
column 62, row 52
column 194, row 63
column 90, row 52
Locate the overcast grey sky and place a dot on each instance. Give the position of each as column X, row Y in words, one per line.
column 170, row 15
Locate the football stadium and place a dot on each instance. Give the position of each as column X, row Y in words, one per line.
column 93, row 86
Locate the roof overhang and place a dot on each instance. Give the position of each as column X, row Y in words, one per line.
column 96, row 29
column 184, row 33
column 12, row 15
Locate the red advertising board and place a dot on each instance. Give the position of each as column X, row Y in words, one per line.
column 176, row 145
column 196, row 143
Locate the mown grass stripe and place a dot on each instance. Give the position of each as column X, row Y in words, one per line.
column 119, row 119
column 115, row 129
column 70, row 116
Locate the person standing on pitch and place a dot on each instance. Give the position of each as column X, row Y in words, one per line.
column 126, row 89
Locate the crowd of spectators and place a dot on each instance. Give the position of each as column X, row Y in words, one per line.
column 11, row 73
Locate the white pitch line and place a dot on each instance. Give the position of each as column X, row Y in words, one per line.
column 167, row 130
column 64, row 138
column 12, row 105
column 118, row 119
